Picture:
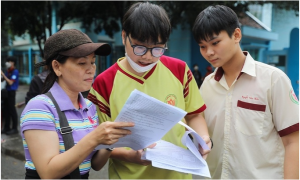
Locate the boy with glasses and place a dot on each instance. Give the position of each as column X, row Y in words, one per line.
column 252, row 111
column 145, row 32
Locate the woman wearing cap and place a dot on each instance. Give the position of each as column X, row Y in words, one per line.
column 70, row 57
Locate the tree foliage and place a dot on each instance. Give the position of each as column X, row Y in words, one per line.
column 35, row 17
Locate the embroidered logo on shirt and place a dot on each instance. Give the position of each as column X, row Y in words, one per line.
column 94, row 123
column 293, row 96
column 171, row 99
column 250, row 97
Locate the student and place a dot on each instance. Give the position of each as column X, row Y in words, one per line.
column 252, row 112
column 35, row 87
column 70, row 58
column 197, row 75
column 145, row 32
column 11, row 77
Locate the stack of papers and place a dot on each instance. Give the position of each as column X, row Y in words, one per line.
column 169, row 156
column 152, row 119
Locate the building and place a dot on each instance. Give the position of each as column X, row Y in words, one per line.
column 271, row 36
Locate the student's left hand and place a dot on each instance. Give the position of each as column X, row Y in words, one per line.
column 203, row 152
column 138, row 155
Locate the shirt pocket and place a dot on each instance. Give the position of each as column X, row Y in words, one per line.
column 249, row 118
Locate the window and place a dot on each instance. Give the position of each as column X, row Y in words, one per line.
column 253, row 52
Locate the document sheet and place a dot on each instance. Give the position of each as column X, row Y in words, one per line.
column 152, row 119
column 166, row 155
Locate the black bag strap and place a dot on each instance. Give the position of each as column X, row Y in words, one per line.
column 66, row 132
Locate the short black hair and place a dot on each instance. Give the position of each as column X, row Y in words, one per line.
column 214, row 19
column 11, row 59
column 147, row 22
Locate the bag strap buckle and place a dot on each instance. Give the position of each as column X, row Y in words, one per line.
column 66, row 130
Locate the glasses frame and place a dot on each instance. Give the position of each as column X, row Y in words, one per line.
column 151, row 49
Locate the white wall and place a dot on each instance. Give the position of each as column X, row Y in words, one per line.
column 282, row 23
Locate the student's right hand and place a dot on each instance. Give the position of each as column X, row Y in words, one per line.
column 109, row 132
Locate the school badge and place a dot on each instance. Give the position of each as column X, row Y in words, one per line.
column 171, row 99
column 293, row 97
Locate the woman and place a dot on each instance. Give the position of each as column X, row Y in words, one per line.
column 70, row 58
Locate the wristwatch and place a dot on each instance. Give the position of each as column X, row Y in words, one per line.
column 110, row 149
column 212, row 144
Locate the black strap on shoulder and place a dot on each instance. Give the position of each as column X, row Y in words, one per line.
column 66, row 132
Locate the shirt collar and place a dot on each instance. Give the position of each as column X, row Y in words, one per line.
column 248, row 68
column 11, row 69
column 249, row 65
column 63, row 99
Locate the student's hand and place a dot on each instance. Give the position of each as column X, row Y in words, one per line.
column 203, row 152
column 137, row 155
column 2, row 73
column 109, row 132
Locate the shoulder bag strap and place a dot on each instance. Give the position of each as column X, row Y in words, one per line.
column 66, row 132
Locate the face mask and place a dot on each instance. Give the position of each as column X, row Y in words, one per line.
column 8, row 65
column 138, row 68
column 196, row 68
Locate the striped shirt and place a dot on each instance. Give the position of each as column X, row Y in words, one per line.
column 40, row 113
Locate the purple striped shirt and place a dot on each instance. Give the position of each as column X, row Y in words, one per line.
column 40, row 113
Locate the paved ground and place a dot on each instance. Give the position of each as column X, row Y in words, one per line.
column 12, row 153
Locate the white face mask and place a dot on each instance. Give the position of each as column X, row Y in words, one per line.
column 8, row 65
column 138, row 68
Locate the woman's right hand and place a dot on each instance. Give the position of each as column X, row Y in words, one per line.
column 109, row 132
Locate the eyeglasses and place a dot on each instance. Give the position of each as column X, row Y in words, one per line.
column 141, row 50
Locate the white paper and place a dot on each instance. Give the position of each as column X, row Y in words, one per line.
column 152, row 119
column 197, row 138
column 177, row 156
column 198, row 171
column 166, row 155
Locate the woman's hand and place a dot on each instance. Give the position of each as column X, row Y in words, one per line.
column 109, row 132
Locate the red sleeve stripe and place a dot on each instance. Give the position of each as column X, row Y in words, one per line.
column 186, row 91
column 289, row 130
column 190, row 75
column 98, row 103
column 105, row 112
column 103, row 108
column 186, row 88
column 91, row 98
column 199, row 110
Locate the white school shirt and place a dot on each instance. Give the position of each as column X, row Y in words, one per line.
column 247, row 121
